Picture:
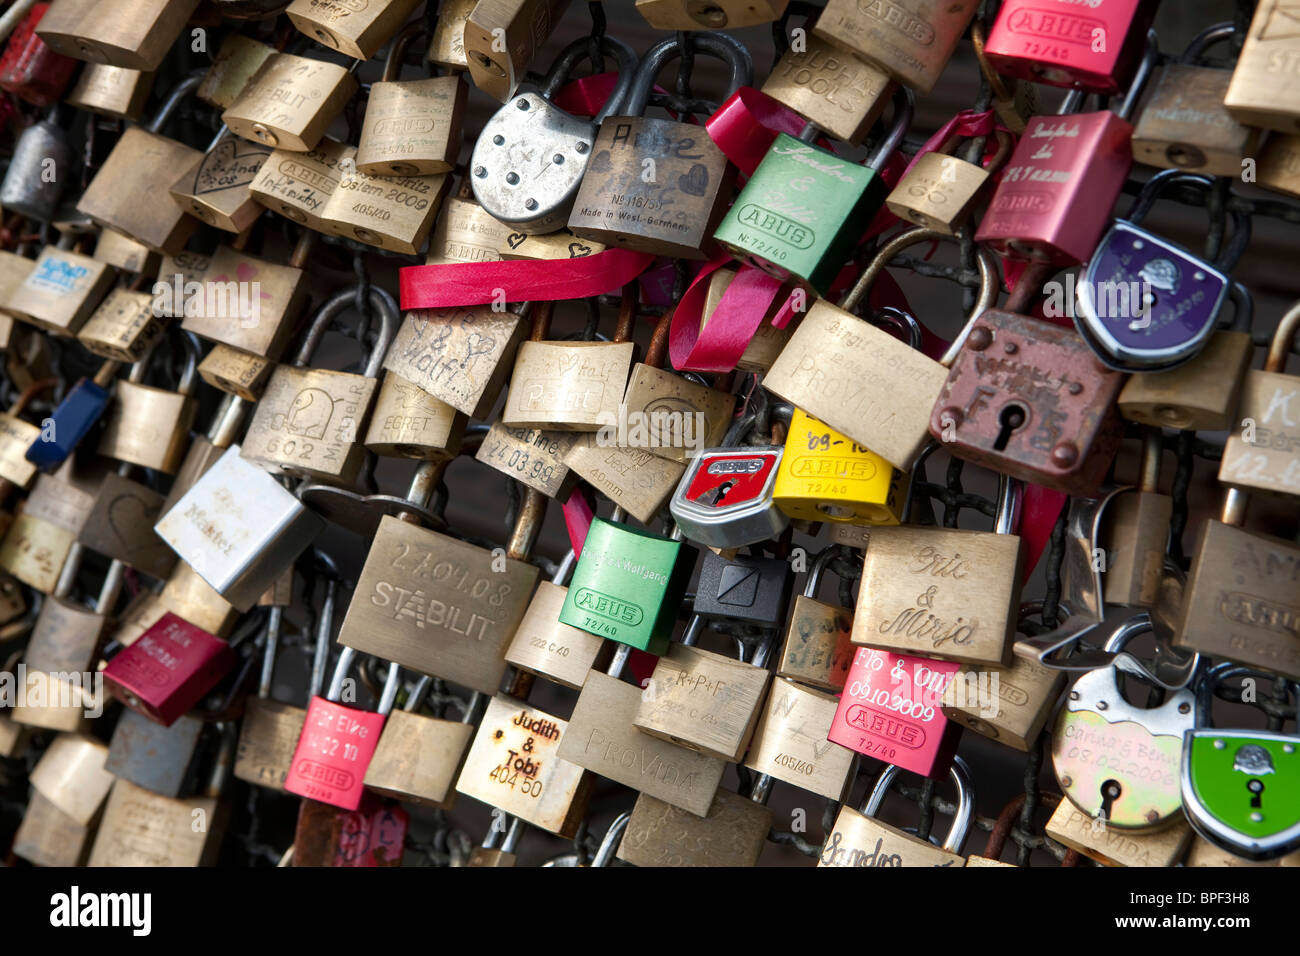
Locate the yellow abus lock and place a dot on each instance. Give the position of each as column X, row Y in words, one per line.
column 826, row 476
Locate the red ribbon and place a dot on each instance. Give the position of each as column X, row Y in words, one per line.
column 1040, row 508
column 746, row 124
column 578, row 514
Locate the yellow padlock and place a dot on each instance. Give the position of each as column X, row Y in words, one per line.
column 826, row 476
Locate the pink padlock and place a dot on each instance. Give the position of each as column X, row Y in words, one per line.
column 168, row 669
column 890, row 710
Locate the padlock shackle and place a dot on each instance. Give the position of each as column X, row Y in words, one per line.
column 190, row 373
column 918, row 467
column 906, row 321
column 579, row 50
column 691, row 636
column 1153, row 447
column 1212, row 678
column 380, row 301
column 565, row 567
column 416, row 697
column 1141, row 77
column 1156, row 186
column 229, row 418
column 904, row 111
column 610, row 842
column 1134, row 626
column 397, row 50
column 1010, row 494
column 324, row 631
column 962, row 817
column 824, row 558
column 274, row 621
column 528, row 525
column 1072, row 103
column 722, row 46
column 1279, row 347
column 1211, row 35
column 183, row 89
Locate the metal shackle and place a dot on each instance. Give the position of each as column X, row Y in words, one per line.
column 1155, row 187
column 962, row 817
column 904, row 111
column 380, row 301
column 391, row 682
column 575, row 53
column 720, row 45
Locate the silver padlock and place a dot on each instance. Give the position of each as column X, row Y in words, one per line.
column 725, row 498
column 530, row 158
column 41, row 164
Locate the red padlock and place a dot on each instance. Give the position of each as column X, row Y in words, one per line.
column 31, row 70
column 891, row 710
column 1093, row 45
column 374, row 835
column 168, row 669
column 338, row 742
column 1060, row 185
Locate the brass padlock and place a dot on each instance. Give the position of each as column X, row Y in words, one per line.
column 1279, row 164
column 61, row 291
column 546, row 646
column 408, row 422
column 465, row 232
column 1201, row 395
column 39, row 541
column 817, row 647
column 1113, row 846
column 205, row 449
column 310, row 421
column 238, row 373
column 447, row 45
column 71, row 775
column 16, row 436
column 940, row 190
column 112, row 199
column 679, row 417
column 125, row 327
column 1013, row 104
column 66, row 637
column 1011, row 707
column 1135, row 529
column 217, row 187
column 297, row 185
column 134, row 34
column 419, row 758
column 394, row 213
column 150, row 426
column 411, row 127
column 238, row 58
column 790, row 742
column 113, row 91
column 121, row 525
column 358, row 30
column 126, row 254
column 731, row 833
column 534, row 457
column 501, row 38
column 49, row 837
column 708, row 14
column 289, row 102
column 1262, row 89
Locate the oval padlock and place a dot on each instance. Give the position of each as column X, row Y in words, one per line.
column 530, row 158
column 1116, row 761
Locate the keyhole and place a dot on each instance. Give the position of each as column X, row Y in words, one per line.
column 1110, row 792
column 722, row 492
column 1256, row 787
column 1012, row 417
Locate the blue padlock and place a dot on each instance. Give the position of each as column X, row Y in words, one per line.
column 75, row 416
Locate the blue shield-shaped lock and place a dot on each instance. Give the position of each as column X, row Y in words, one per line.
column 76, row 415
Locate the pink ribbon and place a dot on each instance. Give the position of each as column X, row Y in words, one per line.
column 746, row 124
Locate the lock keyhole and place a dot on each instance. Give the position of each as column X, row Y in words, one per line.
column 1110, row 792
column 1012, row 417
column 722, row 491
column 1256, row 788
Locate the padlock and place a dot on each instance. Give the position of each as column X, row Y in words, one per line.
column 1204, row 853
column 1239, row 786
column 297, row 185
column 357, row 30
column 666, row 183
column 1014, row 100
column 751, row 589
column 248, row 303
column 31, row 70
column 70, row 422
column 112, row 198
column 150, row 426
column 40, row 539
column 1113, row 846
column 1136, row 532
column 417, row 582
column 837, row 90
column 944, row 593
column 236, row 372
column 1011, row 707
column 732, row 833
column 708, row 15
column 490, row 854
column 17, row 435
column 338, row 742
column 49, row 837
column 941, row 190
column 790, row 742
column 112, row 91
column 465, row 232
column 123, row 252
column 890, row 710
column 289, row 102
column 1055, row 43
column 458, row 356
column 408, row 422
column 237, row 59
column 826, row 476
column 546, row 646
column 1202, row 394
column 184, row 594
column 514, row 764
column 1057, row 190
column 447, row 43
column 768, row 340
column 67, row 635
column 13, row 270
column 168, row 670
column 411, row 127
column 125, row 327
column 40, row 167
column 530, row 158
column 501, row 38
column 238, row 529
column 817, row 648
column 184, row 268
column 809, row 241
column 910, row 39
column 1278, row 168
column 373, row 835
column 151, row 756
column 680, row 418
column 71, row 775
column 135, row 34
column 628, row 585
column 704, row 701
column 205, row 449
column 1184, row 125
column 1098, row 723
column 858, row 839
column 217, row 186
column 850, row 374
column 61, row 292
column 310, row 421
column 1147, row 304
column 532, row 456
column 419, row 758
column 1260, row 456
column 1262, row 89
column 142, row 828
column 724, row 499
column 394, row 213
column 601, row 738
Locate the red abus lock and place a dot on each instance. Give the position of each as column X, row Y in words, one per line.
column 1093, row 45
column 31, row 70
column 890, row 710
column 168, row 669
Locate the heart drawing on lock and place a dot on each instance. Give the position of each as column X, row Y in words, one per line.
column 515, row 239
column 577, row 250
column 601, row 162
column 231, row 164
column 695, row 182
column 125, row 512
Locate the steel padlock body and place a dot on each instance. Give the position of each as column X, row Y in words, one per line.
column 628, row 586
column 891, row 710
column 27, row 188
column 1055, row 42
column 528, row 163
column 1100, row 739
column 72, row 420
column 1241, row 790
column 724, row 499
column 1270, row 463
column 1147, row 303
column 1057, row 190
column 412, row 127
column 168, row 669
column 335, row 749
column 29, row 69
column 744, row 588
column 677, row 213
column 1263, row 88
column 1184, row 124
column 827, row 476
column 806, row 237
column 1013, row 365
column 151, row 756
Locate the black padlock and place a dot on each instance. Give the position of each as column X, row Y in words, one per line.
column 756, row 590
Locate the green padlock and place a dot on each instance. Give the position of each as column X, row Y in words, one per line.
column 1241, row 788
column 804, row 210
column 628, row 585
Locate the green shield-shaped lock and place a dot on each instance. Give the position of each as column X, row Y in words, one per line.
column 1241, row 790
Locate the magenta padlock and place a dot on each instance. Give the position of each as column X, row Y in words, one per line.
column 374, row 835
column 338, row 742
column 890, row 709
column 168, row 669
column 725, row 498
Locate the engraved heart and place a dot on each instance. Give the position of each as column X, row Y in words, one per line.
column 577, row 250
column 233, row 162
column 126, row 515
column 601, row 162
column 515, row 239
column 695, row 182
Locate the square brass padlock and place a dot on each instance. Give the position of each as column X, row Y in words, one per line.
column 290, row 101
